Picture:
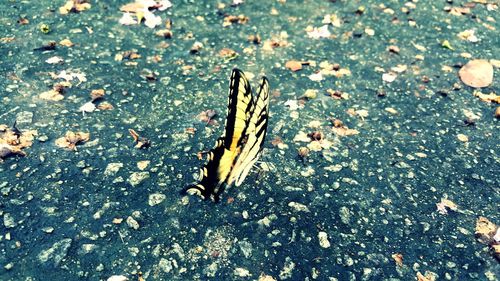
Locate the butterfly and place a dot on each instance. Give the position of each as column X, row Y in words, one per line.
column 239, row 147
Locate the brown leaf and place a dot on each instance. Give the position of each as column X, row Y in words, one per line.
column 485, row 230
column 477, row 73
column 487, row 97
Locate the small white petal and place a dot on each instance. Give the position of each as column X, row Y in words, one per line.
column 127, row 19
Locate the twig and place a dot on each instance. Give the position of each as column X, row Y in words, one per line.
column 12, row 110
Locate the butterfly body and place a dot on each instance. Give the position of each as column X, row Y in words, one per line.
column 239, row 147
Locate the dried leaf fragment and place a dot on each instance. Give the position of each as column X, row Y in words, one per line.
column 487, row 97
column 488, row 233
column 13, row 141
column 105, row 106
column 66, row 43
column 228, row 54
column 342, row 130
column 72, row 139
column 207, row 116
column 444, row 205
column 97, row 94
column 294, row 65
column 52, row 95
column 140, row 142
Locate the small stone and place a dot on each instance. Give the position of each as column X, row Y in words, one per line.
column 142, row 165
column 117, row 278
column 345, row 215
column 298, row 207
column 211, row 270
column 87, row 248
column 242, row 272
column 323, row 239
column 132, row 223
column 244, row 214
column 55, row 254
column 497, row 112
column 9, row 266
column 8, row 221
column 288, row 267
column 462, row 138
column 48, row 229
column 391, row 110
column 112, row 169
column 165, row 265
column 156, row 198
column 246, row 248
column 264, row 277
column 100, row 267
column 137, row 178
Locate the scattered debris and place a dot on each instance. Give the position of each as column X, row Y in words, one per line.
column 13, row 141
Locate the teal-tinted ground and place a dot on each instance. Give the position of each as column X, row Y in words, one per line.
column 374, row 194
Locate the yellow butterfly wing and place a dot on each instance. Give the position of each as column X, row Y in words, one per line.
column 255, row 135
column 221, row 159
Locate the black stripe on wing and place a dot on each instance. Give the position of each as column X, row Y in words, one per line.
column 239, row 105
column 209, row 186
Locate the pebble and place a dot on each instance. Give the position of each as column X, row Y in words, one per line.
column 211, row 270
column 55, row 254
column 286, row 272
column 345, row 215
column 87, row 248
column 117, row 278
column 156, row 198
column 48, row 229
column 298, row 207
column 113, row 168
column 132, row 223
column 323, row 240
column 24, row 118
column 142, row 165
column 9, row 266
column 137, row 178
column 165, row 265
column 242, row 272
column 8, row 221
column 264, row 277
column 246, row 248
